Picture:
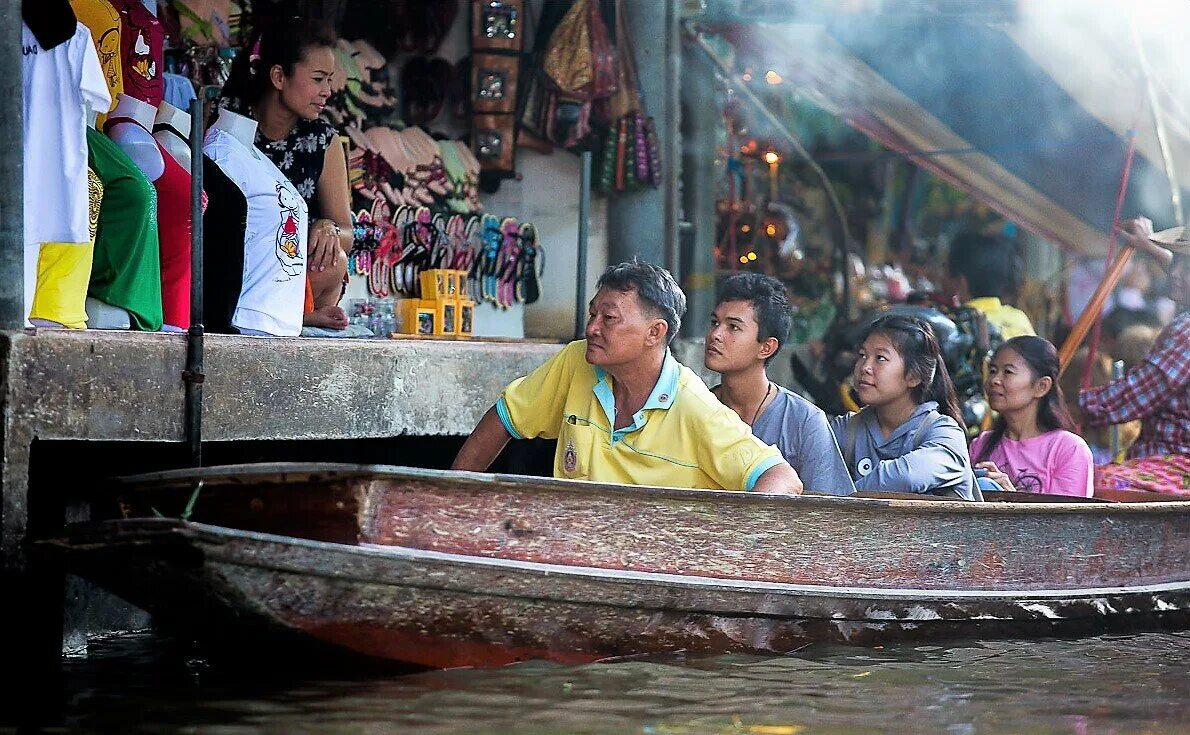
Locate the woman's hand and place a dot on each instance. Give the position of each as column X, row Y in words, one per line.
column 996, row 476
column 325, row 247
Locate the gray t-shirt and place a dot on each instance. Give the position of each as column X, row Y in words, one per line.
column 799, row 429
column 927, row 454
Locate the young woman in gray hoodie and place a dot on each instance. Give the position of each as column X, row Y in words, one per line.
column 908, row 437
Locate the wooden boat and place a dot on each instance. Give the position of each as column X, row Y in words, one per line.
column 442, row 569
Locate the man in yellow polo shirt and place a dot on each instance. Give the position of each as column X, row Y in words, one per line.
column 623, row 409
column 981, row 271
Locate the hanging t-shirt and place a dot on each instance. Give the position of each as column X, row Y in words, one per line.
column 102, row 19
column 59, row 86
column 255, row 217
column 127, row 268
column 179, row 90
column 142, row 51
column 173, row 230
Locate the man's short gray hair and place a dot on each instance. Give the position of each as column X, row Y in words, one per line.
column 654, row 286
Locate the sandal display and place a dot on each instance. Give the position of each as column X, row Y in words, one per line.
column 428, row 169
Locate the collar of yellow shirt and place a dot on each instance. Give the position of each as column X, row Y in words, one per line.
column 665, row 392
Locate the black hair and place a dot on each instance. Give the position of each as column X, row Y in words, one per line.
column 988, row 262
column 283, row 43
column 654, row 286
column 1042, row 358
column 917, row 345
column 770, row 303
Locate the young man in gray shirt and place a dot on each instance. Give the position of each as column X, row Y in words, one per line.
column 750, row 321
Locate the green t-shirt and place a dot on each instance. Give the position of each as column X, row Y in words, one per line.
column 127, row 268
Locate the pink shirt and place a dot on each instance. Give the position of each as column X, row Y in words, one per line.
column 1056, row 462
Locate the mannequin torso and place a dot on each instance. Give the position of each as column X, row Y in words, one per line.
column 132, row 134
column 171, row 129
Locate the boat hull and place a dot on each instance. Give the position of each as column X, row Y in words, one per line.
column 439, row 609
column 897, row 541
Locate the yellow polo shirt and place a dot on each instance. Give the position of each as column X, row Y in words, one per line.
column 1012, row 321
column 682, row 437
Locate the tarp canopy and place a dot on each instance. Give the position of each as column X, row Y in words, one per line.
column 1031, row 116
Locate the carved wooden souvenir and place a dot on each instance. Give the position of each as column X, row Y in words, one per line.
column 493, row 82
column 492, row 141
column 497, row 24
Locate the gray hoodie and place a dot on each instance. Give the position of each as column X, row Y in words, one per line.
column 926, row 454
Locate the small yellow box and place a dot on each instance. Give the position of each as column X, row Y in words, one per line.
column 463, row 286
column 416, row 316
column 434, row 284
column 466, row 318
column 448, row 317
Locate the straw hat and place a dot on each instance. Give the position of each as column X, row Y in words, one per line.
column 1174, row 238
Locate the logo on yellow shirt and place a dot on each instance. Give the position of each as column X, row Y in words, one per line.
column 570, row 458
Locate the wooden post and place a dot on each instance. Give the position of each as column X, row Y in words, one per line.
column 1087, row 319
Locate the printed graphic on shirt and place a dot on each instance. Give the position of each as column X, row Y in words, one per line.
column 1028, row 481
column 109, row 57
column 289, row 246
column 94, row 200
column 142, row 62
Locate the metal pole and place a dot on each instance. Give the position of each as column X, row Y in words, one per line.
column 671, row 139
column 193, row 375
column 1113, row 431
column 584, row 215
column 12, row 205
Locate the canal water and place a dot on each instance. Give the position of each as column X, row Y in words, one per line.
column 1110, row 684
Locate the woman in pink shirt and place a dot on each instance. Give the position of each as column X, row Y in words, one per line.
column 1031, row 447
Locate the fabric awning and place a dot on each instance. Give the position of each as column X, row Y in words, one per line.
column 1032, row 117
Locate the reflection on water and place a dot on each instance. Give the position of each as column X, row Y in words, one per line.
column 1120, row 684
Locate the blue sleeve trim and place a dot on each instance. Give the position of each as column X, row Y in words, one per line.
column 764, row 466
column 502, row 412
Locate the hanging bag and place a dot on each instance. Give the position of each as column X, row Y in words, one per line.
column 580, row 61
column 631, row 155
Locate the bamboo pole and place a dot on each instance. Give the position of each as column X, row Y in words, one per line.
column 1091, row 314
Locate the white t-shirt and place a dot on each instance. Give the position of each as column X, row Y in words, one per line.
column 275, row 229
column 59, row 85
